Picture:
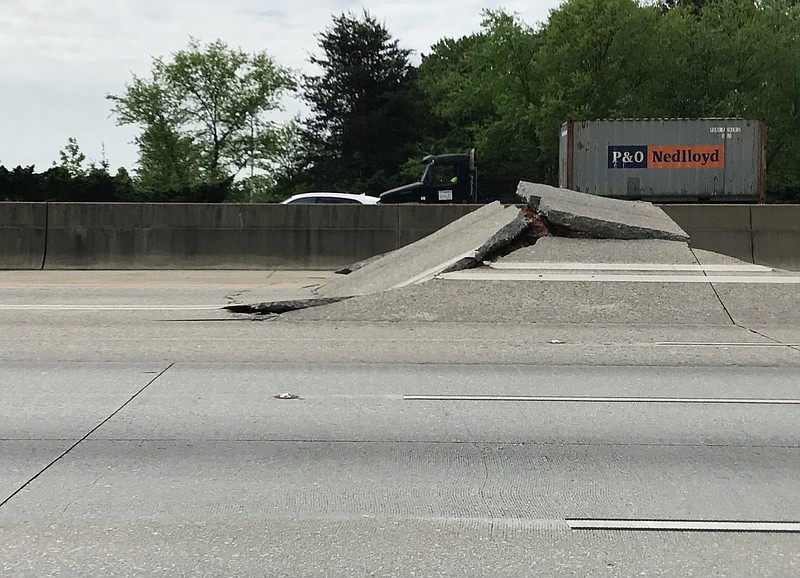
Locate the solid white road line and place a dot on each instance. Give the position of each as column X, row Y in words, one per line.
column 494, row 275
column 101, row 307
column 561, row 398
column 710, row 344
column 682, row 525
column 555, row 266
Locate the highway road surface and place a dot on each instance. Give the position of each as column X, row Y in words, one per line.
column 145, row 431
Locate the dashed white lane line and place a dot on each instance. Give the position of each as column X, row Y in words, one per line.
column 682, row 525
column 597, row 399
column 495, row 275
column 556, row 266
column 712, row 344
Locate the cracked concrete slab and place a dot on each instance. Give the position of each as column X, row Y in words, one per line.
column 461, row 244
column 562, row 250
column 278, row 307
column 600, row 217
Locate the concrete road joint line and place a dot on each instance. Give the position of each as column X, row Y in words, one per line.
column 566, row 266
column 94, row 429
column 424, row 442
column 716, row 293
column 776, row 342
column 559, row 399
column 495, row 275
column 682, row 525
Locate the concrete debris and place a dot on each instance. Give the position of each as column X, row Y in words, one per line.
column 463, row 243
column 599, row 217
column 496, row 245
column 278, row 307
column 593, row 229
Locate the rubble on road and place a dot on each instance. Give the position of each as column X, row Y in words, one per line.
column 278, row 307
column 494, row 231
column 578, row 214
column 464, row 243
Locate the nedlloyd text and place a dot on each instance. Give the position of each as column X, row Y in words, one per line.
column 681, row 156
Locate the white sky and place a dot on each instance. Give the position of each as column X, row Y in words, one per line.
column 61, row 57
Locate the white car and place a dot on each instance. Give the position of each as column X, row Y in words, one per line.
column 330, row 199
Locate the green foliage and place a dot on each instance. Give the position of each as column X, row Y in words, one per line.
column 504, row 90
column 507, row 89
column 72, row 158
column 59, row 184
column 483, row 89
column 204, row 116
column 256, row 189
column 365, row 112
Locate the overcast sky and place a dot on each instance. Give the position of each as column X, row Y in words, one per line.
column 61, row 57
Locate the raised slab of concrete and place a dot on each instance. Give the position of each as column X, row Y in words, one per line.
column 561, row 250
column 600, row 217
column 460, row 244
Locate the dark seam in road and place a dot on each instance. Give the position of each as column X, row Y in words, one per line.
column 721, row 302
column 460, row 364
column 46, row 229
column 778, row 341
column 714, row 289
column 414, row 442
column 94, row 429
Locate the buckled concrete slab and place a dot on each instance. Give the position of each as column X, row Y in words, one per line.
column 461, row 244
column 558, row 249
column 600, row 217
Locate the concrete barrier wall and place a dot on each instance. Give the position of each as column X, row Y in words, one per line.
column 722, row 228
column 206, row 236
column 776, row 235
column 23, row 230
column 212, row 236
column 763, row 234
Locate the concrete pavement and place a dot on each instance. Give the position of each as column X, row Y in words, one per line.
column 140, row 435
column 206, row 473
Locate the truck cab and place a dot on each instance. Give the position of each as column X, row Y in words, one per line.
column 449, row 178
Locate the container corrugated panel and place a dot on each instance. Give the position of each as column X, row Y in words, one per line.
column 710, row 159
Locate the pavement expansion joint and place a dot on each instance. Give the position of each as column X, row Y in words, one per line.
column 86, row 436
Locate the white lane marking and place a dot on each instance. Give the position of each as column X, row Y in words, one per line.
column 682, row 525
column 562, row 398
column 433, row 271
column 493, row 275
column 100, row 307
column 556, row 266
column 710, row 344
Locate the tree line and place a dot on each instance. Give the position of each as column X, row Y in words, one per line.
column 207, row 113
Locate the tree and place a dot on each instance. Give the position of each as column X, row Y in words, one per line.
column 204, row 115
column 483, row 88
column 364, row 106
column 72, row 158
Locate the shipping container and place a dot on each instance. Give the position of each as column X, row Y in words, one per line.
column 665, row 160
